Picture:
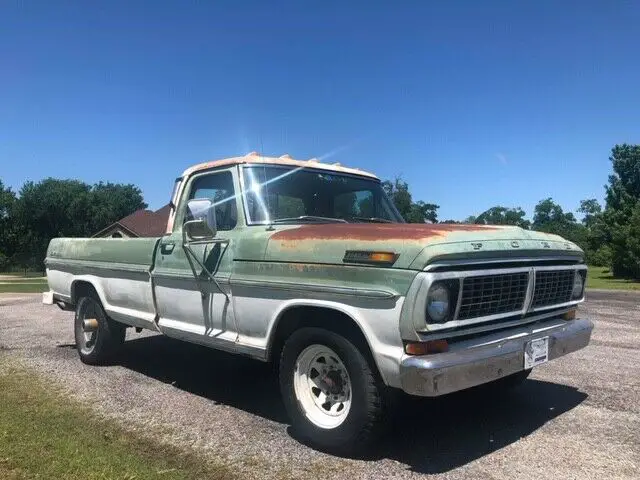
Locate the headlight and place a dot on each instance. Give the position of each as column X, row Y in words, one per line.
column 578, row 286
column 438, row 304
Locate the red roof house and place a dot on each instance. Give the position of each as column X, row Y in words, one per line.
column 141, row 223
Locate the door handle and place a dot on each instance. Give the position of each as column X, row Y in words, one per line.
column 167, row 248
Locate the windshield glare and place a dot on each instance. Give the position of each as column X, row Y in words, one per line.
column 274, row 192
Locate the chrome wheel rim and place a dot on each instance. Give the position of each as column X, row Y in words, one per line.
column 87, row 339
column 322, row 386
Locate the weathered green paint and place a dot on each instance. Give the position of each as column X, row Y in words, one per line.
column 393, row 281
column 130, row 251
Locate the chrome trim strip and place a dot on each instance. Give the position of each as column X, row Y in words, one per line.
column 65, row 263
column 559, row 305
column 562, row 267
column 528, row 299
column 357, row 292
column 457, row 263
column 427, row 335
column 459, row 302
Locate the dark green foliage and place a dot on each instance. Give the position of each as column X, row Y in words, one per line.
column 549, row 217
column 71, row 208
column 7, row 200
column 503, row 216
column 622, row 213
column 412, row 212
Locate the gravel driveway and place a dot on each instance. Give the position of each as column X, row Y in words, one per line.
column 578, row 417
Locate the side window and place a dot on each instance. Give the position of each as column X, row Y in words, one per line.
column 218, row 187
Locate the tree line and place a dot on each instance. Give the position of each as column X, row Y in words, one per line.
column 609, row 235
column 57, row 208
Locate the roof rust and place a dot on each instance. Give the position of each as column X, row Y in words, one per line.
column 372, row 232
column 284, row 160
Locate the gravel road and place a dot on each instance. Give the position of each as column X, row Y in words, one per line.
column 577, row 417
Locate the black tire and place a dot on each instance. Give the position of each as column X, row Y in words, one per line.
column 363, row 419
column 108, row 338
column 511, row 381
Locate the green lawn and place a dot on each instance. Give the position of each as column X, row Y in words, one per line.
column 22, row 284
column 600, row 277
column 45, row 435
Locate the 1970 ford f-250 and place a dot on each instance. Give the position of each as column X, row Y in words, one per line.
column 310, row 266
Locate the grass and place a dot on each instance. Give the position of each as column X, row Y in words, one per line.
column 45, row 435
column 23, row 284
column 601, row 277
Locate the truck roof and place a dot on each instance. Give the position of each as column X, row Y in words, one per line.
column 254, row 157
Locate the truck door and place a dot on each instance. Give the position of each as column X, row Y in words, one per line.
column 191, row 285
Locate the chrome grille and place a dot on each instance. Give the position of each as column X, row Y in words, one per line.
column 552, row 287
column 492, row 294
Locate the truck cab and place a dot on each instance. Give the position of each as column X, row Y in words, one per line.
column 310, row 266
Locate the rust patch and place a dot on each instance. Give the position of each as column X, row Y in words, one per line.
column 373, row 232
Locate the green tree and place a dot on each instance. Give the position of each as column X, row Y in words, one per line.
column 7, row 199
column 70, row 208
column 622, row 200
column 597, row 251
column 549, row 217
column 503, row 216
column 112, row 201
column 412, row 212
column 591, row 210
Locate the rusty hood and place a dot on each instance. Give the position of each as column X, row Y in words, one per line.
column 416, row 244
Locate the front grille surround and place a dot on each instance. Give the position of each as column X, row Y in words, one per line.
column 552, row 287
column 493, row 294
column 485, row 295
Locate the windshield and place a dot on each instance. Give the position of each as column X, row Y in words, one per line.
column 296, row 195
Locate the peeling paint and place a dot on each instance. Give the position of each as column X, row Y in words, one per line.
column 374, row 232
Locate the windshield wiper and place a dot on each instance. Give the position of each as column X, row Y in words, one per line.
column 372, row 219
column 308, row 218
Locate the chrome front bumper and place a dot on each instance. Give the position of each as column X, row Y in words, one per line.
column 489, row 357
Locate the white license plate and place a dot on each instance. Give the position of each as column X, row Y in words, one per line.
column 536, row 352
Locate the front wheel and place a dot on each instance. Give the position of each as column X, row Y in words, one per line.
column 97, row 336
column 329, row 390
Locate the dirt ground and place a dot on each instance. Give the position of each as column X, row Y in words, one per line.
column 577, row 417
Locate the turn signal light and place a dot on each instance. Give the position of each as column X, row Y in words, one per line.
column 369, row 257
column 425, row 348
column 382, row 257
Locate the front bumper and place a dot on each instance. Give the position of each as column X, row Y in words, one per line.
column 489, row 357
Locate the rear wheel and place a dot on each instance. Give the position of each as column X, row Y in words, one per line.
column 329, row 390
column 97, row 336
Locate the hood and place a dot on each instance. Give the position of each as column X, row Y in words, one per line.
column 416, row 244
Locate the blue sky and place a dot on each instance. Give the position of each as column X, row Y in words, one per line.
column 475, row 103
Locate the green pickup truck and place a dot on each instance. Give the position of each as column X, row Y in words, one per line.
column 310, row 266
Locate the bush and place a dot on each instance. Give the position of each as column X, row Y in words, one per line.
column 601, row 257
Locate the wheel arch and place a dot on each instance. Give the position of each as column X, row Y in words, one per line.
column 331, row 316
column 85, row 285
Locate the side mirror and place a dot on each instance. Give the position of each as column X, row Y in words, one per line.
column 202, row 225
